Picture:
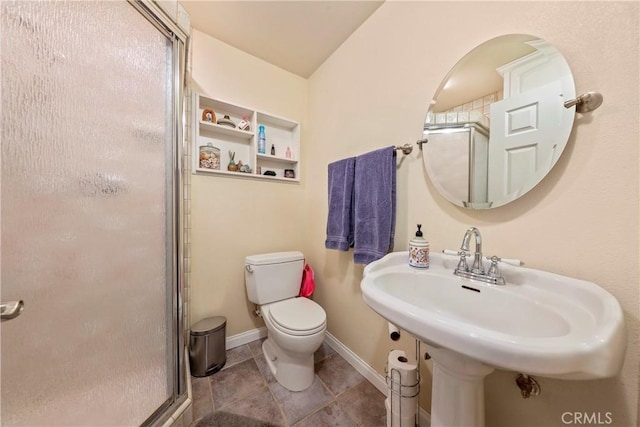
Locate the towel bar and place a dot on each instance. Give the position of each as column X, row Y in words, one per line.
column 406, row 149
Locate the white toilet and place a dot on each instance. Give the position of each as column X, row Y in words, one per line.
column 295, row 326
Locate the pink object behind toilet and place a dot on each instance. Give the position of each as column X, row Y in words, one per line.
column 308, row 282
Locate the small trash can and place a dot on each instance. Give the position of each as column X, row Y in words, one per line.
column 207, row 347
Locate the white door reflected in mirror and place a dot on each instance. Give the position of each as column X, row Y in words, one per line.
column 498, row 123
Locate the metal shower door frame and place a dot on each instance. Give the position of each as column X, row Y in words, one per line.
column 175, row 217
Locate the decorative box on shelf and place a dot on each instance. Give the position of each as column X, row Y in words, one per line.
column 219, row 141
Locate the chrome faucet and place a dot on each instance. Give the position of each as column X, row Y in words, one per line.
column 477, row 270
column 477, row 259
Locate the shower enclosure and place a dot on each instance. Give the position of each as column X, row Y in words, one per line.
column 90, row 214
column 461, row 150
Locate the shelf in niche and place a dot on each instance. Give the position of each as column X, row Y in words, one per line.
column 276, row 159
column 243, row 175
column 277, row 178
column 222, row 172
column 271, row 120
column 225, row 130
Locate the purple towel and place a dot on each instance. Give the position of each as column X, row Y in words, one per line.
column 374, row 204
column 340, row 217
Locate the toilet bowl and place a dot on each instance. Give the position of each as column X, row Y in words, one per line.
column 296, row 326
column 289, row 347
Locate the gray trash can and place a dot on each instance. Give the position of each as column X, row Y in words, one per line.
column 207, row 347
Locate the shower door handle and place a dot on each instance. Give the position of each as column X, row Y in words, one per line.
column 11, row 310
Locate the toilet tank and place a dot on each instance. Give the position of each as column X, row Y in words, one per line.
column 274, row 276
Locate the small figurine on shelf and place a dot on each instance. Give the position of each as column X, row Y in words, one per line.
column 208, row 116
column 244, row 124
column 232, row 167
column 244, row 168
column 226, row 121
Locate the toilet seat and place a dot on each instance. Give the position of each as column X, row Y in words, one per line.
column 297, row 316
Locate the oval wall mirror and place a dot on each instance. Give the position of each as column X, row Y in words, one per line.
column 497, row 123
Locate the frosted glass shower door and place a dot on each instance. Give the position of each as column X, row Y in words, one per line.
column 86, row 223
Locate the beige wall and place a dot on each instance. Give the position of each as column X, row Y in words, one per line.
column 582, row 220
column 233, row 217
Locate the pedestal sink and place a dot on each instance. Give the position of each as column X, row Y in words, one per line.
column 539, row 323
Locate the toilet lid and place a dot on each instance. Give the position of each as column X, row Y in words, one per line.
column 297, row 314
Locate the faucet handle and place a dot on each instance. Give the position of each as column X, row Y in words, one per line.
column 493, row 269
column 494, row 273
column 462, row 264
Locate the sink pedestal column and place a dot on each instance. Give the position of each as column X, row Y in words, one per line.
column 457, row 398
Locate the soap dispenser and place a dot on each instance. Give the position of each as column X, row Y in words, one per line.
column 419, row 251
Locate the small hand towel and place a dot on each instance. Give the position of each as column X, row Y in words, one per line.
column 340, row 217
column 374, row 204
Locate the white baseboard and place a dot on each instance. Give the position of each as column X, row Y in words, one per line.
column 245, row 337
column 359, row 365
column 353, row 359
column 425, row 418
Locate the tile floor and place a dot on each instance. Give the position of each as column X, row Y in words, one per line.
column 339, row 395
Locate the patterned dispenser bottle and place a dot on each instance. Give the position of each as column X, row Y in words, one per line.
column 419, row 251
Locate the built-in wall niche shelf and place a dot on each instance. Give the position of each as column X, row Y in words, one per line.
column 212, row 128
column 220, row 139
column 276, row 159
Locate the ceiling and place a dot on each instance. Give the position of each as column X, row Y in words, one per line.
column 297, row 36
column 477, row 75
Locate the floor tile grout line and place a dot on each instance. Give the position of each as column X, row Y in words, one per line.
column 280, row 408
column 337, row 396
column 325, row 386
column 332, row 394
column 264, row 381
column 237, row 362
column 210, row 388
column 314, row 412
column 333, row 400
column 273, row 396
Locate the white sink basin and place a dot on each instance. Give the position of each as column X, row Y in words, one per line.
column 538, row 323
